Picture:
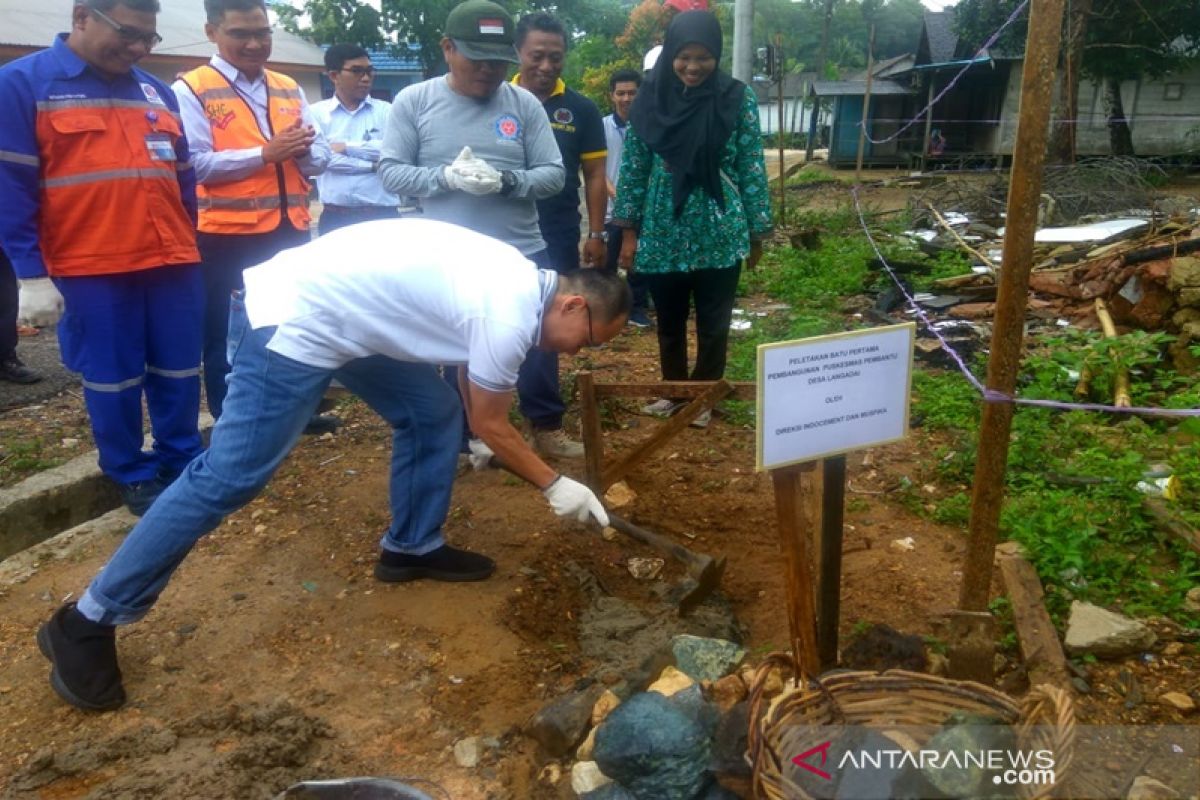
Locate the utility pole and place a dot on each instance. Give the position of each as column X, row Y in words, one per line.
column 1024, row 191
column 866, row 109
column 816, row 109
column 743, row 38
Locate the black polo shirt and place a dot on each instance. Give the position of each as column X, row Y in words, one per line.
column 579, row 131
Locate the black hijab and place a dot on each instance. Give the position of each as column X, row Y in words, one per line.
column 688, row 127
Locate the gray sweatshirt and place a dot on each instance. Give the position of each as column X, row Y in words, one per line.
column 428, row 127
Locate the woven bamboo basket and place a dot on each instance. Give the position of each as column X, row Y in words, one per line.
column 1045, row 719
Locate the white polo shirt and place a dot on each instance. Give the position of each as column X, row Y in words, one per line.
column 410, row 289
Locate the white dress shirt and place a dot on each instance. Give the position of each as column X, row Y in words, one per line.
column 233, row 165
column 350, row 178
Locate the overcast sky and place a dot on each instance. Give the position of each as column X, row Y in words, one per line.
column 937, row 5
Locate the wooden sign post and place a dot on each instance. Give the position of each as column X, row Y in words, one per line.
column 818, row 399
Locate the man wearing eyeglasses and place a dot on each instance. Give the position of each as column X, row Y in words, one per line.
column 99, row 209
column 376, row 305
column 254, row 146
column 353, row 123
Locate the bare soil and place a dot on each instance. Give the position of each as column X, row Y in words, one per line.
column 274, row 656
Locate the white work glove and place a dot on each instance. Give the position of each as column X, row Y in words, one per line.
column 40, row 303
column 571, row 498
column 472, row 175
column 481, row 455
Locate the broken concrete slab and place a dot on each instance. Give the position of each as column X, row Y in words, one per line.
column 1105, row 634
column 58, row 499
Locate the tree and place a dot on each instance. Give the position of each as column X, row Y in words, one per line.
column 1120, row 41
column 403, row 23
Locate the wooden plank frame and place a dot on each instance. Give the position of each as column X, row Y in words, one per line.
column 703, row 394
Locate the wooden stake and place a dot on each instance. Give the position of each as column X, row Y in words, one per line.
column 593, row 441
column 795, row 526
column 833, row 501
column 1025, row 188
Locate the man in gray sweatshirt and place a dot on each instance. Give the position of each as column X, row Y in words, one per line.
column 513, row 162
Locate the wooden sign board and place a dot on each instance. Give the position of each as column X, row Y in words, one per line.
column 833, row 394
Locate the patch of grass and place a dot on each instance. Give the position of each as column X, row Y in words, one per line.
column 22, row 457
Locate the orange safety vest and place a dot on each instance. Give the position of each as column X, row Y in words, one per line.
column 252, row 204
column 107, row 204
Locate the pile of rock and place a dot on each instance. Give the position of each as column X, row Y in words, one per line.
column 1184, row 282
column 683, row 738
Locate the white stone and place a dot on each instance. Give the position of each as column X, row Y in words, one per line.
column 584, row 751
column 467, row 751
column 671, row 681
column 604, row 706
column 587, row 777
column 1102, row 633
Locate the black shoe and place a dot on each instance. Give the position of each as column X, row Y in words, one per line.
column 321, row 424
column 83, row 658
column 138, row 497
column 444, row 564
column 14, row 370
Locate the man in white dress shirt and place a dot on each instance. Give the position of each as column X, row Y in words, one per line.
column 378, row 317
column 254, row 147
column 352, row 122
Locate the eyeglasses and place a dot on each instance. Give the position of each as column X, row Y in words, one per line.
column 591, row 336
column 359, row 72
column 128, row 35
column 240, row 35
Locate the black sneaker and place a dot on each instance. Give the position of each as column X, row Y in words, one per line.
column 322, row 424
column 83, row 658
column 14, row 370
column 444, row 564
column 138, row 497
column 638, row 319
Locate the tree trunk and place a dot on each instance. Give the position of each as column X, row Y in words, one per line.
column 1120, row 138
column 1061, row 146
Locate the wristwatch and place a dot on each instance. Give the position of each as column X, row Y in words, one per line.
column 601, row 235
column 508, row 182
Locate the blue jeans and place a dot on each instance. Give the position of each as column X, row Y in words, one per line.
column 538, row 393
column 270, row 400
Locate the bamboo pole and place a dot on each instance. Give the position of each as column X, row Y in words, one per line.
column 1025, row 187
column 1121, row 394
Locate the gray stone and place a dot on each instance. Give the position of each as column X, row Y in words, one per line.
column 730, row 742
column 1146, row 788
column 654, row 749
column 560, row 726
column 706, row 659
column 1104, row 634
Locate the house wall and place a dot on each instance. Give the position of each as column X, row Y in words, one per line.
column 1160, row 126
column 796, row 114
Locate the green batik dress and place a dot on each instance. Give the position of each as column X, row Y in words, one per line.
column 703, row 237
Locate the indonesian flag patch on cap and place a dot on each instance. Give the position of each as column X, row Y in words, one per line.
column 491, row 27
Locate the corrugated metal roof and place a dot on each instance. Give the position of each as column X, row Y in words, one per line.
column 854, row 88
column 180, row 23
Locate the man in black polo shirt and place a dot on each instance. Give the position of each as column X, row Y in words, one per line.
column 542, row 46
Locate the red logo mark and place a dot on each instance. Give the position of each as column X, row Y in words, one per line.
column 802, row 760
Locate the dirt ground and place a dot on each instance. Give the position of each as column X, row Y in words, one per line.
column 274, row 656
